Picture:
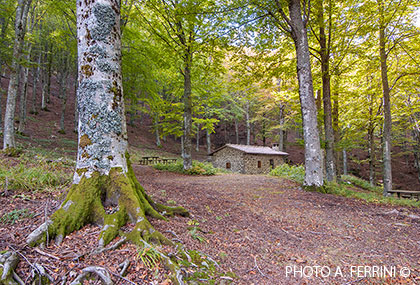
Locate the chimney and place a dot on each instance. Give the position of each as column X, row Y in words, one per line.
column 275, row 146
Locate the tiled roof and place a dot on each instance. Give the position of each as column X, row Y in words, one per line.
column 253, row 149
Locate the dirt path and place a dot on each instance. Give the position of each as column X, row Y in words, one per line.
column 270, row 222
column 253, row 225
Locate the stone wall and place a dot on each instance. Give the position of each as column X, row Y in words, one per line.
column 251, row 163
column 245, row 163
column 229, row 155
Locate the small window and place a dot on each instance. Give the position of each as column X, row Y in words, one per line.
column 228, row 165
column 272, row 163
column 259, row 163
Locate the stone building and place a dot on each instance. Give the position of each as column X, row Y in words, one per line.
column 247, row 159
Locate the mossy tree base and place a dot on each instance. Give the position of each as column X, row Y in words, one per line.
column 110, row 201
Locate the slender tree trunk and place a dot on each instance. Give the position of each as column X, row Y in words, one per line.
column 197, row 139
column 48, row 75
column 208, row 141
column 336, row 130
column 23, row 95
column 281, row 129
column 187, row 100
column 326, row 93
column 387, row 174
column 371, row 142
column 248, row 124
column 237, row 131
column 36, row 71
column 313, row 155
column 345, row 162
column 63, row 91
column 157, row 135
column 371, row 154
column 20, row 30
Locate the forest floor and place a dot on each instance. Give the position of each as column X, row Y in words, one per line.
column 255, row 226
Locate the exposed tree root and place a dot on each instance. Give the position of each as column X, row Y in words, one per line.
column 111, row 201
column 102, row 273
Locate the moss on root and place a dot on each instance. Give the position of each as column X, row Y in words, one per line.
column 111, row 201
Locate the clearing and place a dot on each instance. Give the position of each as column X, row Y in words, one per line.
column 252, row 225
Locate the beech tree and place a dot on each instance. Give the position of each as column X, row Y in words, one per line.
column 20, row 30
column 105, row 190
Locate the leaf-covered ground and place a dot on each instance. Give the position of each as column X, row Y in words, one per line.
column 254, row 226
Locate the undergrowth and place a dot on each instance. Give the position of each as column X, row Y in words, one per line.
column 374, row 194
column 292, row 172
column 34, row 174
column 198, row 168
column 359, row 182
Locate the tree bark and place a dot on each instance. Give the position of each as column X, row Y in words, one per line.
column 237, row 131
column 313, row 155
column 281, row 129
column 208, row 141
column 326, row 95
column 187, row 100
column 197, row 139
column 387, row 168
column 345, row 162
column 336, row 130
column 105, row 190
column 64, row 72
column 248, row 124
column 35, row 73
column 23, row 100
column 20, row 30
column 157, row 135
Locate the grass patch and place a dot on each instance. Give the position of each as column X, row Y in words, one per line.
column 359, row 182
column 297, row 174
column 370, row 197
column 292, row 172
column 198, row 168
column 39, row 177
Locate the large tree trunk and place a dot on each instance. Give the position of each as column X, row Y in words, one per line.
column 313, row 155
column 187, row 100
column 326, row 94
column 9, row 117
column 105, row 190
column 387, row 174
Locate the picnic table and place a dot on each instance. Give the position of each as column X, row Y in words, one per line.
column 406, row 194
column 150, row 160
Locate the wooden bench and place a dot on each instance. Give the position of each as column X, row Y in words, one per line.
column 406, row 194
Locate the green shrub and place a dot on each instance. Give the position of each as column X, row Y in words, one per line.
column 198, row 168
column 292, row 172
column 359, row 182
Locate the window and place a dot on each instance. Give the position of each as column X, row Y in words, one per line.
column 259, row 163
column 228, row 165
column 272, row 163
